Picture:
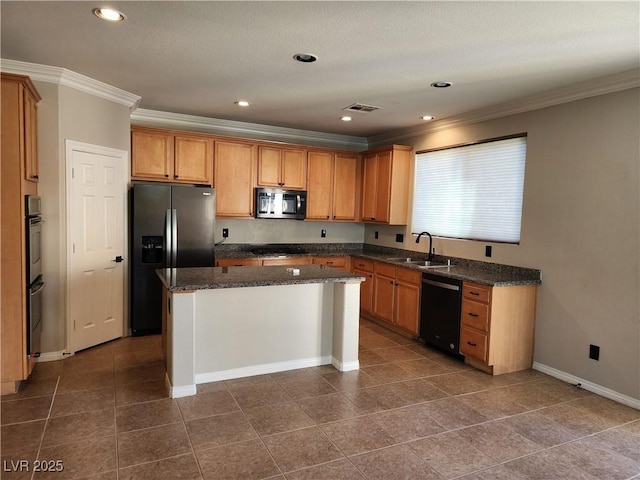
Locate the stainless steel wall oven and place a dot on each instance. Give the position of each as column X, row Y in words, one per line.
column 35, row 284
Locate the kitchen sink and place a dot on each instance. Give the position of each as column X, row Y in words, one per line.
column 419, row 263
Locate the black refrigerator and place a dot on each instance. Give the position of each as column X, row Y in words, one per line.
column 172, row 226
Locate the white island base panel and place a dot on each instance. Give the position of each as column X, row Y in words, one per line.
column 227, row 333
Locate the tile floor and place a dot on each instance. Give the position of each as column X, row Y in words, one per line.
column 409, row 413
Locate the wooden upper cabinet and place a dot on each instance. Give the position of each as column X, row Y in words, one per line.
column 31, row 169
column 320, row 185
column 386, row 185
column 282, row 167
column 346, row 191
column 332, row 186
column 151, row 155
column 193, row 161
column 234, row 178
column 166, row 156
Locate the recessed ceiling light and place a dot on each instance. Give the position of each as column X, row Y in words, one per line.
column 441, row 84
column 242, row 103
column 426, row 117
column 109, row 14
column 346, row 119
column 305, row 57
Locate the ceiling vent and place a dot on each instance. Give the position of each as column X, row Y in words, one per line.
column 360, row 107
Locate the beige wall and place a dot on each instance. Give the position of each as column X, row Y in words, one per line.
column 580, row 226
column 65, row 113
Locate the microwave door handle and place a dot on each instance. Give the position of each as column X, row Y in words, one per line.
column 299, row 204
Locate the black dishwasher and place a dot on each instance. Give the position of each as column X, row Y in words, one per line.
column 440, row 312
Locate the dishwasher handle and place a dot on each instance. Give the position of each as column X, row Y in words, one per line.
column 448, row 286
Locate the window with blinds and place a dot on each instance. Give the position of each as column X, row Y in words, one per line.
column 472, row 191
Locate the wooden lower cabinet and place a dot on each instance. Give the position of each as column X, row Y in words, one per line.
column 364, row 268
column 497, row 327
column 238, row 262
column 396, row 296
column 335, row 262
column 287, row 261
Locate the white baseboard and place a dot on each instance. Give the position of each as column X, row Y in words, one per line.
column 179, row 392
column 589, row 386
column 53, row 356
column 261, row 369
column 346, row 366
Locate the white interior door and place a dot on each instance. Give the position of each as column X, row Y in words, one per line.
column 96, row 226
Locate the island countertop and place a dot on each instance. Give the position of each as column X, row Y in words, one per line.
column 207, row 278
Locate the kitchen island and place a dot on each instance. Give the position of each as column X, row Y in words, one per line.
column 222, row 323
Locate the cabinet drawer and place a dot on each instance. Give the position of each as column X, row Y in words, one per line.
column 336, row 262
column 287, row 261
column 473, row 344
column 475, row 315
column 238, row 262
column 409, row 276
column 476, row 292
column 363, row 264
column 385, row 269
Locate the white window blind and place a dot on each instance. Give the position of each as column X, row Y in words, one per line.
column 472, row 192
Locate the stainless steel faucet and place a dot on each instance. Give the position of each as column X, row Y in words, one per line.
column 430, row 255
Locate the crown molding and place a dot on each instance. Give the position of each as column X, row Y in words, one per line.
column 592, row 88
column 155, row 118
column 68, row 78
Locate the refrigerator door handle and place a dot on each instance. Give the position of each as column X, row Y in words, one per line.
column 167, row 239
column 174, row 234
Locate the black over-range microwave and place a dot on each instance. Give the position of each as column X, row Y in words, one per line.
column 277, row 203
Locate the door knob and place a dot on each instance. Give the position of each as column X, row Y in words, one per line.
column 118, row 259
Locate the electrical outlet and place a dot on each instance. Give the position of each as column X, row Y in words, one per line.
column 594, row 352
column 375, row 235
column 323, row 233
column 399, row 237
column 487, row 251
column 225, row 233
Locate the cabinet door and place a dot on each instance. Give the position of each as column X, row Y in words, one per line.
column 366, row 290
column 383, row 297
column 383, row 187
column 319, row 185
column 30, row 138
column 151, row 156
column 407, row 306
column 193, row 159
column 234, row 178
column 294, row 169
column 345, row 187
column 369, row 181
column 269, row 160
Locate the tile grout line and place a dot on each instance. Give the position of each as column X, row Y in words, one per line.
column 193, row 450
column 46, row 423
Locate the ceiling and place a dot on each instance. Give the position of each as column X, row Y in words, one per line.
column 198, row 58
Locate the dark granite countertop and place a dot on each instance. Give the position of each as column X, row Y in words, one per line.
column 207, row 278
column 485, row 273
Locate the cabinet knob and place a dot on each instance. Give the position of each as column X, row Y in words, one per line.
column 391, row 282
column 472, row 344
column 473, row 314
column 34, row 177
column 473, row 293
column 175, row 176
column 166, row 175
column 327, row 216
column 372, row 218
